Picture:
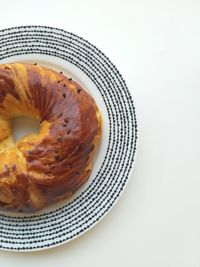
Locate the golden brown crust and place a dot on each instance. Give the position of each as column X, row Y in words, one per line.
column 41, row 169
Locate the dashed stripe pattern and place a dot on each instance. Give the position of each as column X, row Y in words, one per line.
column 67, row 222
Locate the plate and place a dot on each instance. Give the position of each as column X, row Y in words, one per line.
column 86, row 64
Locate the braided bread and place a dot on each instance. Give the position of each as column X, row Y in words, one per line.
column 40, row 169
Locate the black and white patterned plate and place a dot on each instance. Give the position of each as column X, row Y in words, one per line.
column 76, row 57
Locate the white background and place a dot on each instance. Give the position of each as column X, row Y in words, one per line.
column 156, row 47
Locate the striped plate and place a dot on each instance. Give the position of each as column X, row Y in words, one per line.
column 86, row 64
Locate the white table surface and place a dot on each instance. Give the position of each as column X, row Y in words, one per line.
column 156, row 47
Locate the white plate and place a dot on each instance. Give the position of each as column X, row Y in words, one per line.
column 76, row 57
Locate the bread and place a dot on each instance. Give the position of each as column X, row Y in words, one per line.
column 40, row 169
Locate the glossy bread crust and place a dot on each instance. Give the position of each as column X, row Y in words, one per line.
column 43, row 168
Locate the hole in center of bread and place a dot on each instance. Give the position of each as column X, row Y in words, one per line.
column 23, row 126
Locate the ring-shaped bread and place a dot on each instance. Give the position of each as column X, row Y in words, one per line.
column 40, row 169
